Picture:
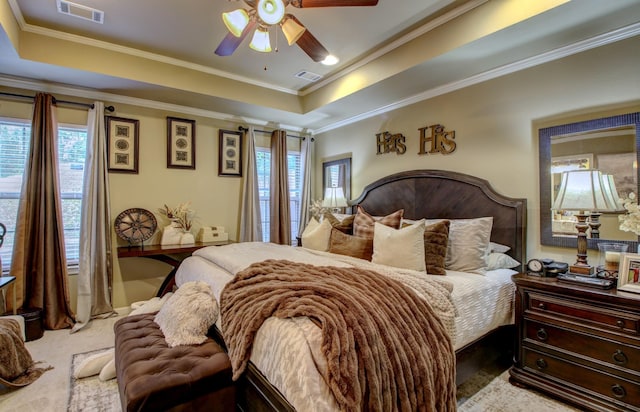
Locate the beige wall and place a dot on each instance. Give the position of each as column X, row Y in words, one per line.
column 496, row 126
column 496, row 134
column 215, row 199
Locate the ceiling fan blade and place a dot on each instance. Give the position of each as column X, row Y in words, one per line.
column 332, row 3
column 230, row 42
column 310, row 45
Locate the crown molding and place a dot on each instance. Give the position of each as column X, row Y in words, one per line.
column 431, row 25
column 613, row 36
column 29, row 28
column 134, row 101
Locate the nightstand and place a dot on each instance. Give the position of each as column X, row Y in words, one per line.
column 577, row 343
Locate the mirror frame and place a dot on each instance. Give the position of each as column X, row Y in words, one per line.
column 346, row 162
column 544, row 144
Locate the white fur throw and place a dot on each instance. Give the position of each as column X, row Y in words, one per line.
column 188, row 314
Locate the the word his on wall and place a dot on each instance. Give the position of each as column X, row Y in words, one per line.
column 437, row 141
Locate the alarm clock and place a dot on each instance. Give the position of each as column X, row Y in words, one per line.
column 546, row 267
column 535, row 267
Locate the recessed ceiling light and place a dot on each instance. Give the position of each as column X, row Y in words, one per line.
column 330, row 60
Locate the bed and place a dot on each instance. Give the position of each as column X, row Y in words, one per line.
column 483, row 333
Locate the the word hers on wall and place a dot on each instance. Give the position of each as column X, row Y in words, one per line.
column 433, row 139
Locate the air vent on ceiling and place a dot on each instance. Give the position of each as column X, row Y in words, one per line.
column 80, row 11
column 308, row 76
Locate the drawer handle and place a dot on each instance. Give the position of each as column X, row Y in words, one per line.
column 618, row 391
column 543, row 335
column 620, row 323
column 542, row 306
column 542, row 364
column 620, row 358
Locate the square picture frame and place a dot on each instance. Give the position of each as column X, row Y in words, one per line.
column 230, row 153
column 181, row 143
column 629, row 274
column 122, row 144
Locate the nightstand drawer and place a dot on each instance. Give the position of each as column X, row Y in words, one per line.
column 611, row 352
column 584, row 314
column 609, row 386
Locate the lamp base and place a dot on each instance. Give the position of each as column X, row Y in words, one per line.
column 585, row 270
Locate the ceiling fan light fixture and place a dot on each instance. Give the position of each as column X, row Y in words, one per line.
column 260, row 41
column 292, row 30
column 270, row 11
column 236, row 21
column 330, row 60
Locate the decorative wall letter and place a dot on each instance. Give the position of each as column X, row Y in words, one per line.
column 388, row 142
column 441, row 141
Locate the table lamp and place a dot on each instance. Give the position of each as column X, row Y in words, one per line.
column 587, row 192
column 334, row 199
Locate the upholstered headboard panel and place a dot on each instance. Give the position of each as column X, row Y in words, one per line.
column 437, row 194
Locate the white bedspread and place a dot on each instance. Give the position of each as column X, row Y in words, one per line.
column 482, row 303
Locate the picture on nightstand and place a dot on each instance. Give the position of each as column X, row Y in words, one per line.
column 629, row 276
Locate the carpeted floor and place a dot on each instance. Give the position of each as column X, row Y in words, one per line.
column 56, row 390
column 50, row 393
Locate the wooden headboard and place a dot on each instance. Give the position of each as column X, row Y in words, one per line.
column 439, row 194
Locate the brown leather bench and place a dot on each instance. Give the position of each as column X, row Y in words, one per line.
column 153, row 377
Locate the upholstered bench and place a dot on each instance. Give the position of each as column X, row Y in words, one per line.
column 153, row 376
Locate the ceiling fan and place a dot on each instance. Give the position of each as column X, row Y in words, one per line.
column 266, row 13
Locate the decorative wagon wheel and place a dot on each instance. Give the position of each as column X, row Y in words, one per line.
column 135, row 225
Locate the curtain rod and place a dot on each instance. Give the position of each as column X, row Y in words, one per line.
column 244, row 129
column 55, row 101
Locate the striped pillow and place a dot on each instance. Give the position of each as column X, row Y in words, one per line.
column 363, row 223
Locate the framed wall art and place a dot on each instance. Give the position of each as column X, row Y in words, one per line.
column 122, row 144
column 629, row 274
column 181, row 143
column 230, row 153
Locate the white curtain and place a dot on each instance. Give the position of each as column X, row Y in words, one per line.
column 306, row 166
column 250, row 219
column 95, row 275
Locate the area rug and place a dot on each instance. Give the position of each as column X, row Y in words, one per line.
column 91, row 394
column 501, row 396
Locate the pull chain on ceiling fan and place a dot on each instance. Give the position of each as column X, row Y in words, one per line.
column 264, row 14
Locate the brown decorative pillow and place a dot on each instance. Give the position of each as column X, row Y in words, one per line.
column 363, row 223
column 354, row 246
column 345, row 225
column 436, row 237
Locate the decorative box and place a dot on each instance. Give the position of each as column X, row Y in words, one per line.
column 212, row 234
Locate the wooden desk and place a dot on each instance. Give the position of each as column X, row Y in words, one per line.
column 5, row 281
column 169, row 254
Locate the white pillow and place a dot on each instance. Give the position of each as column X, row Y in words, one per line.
column 93, row 364
column 498, row 248
column 316, row 235
column 468, row 244
column 188, row 314
column 501, row 261
column 401, row 248
column 108, row 371
column 150, row 306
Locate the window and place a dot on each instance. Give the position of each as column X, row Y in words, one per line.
column 15, row 136
column 263, row 164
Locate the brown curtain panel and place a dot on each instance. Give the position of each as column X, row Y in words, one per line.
column 280, row 230
column 39, row 261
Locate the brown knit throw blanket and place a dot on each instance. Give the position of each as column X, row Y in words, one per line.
column 385, row 348
column 16, row 366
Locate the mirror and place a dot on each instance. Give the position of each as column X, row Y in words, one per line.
column 336, row 183
column 609, row 144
